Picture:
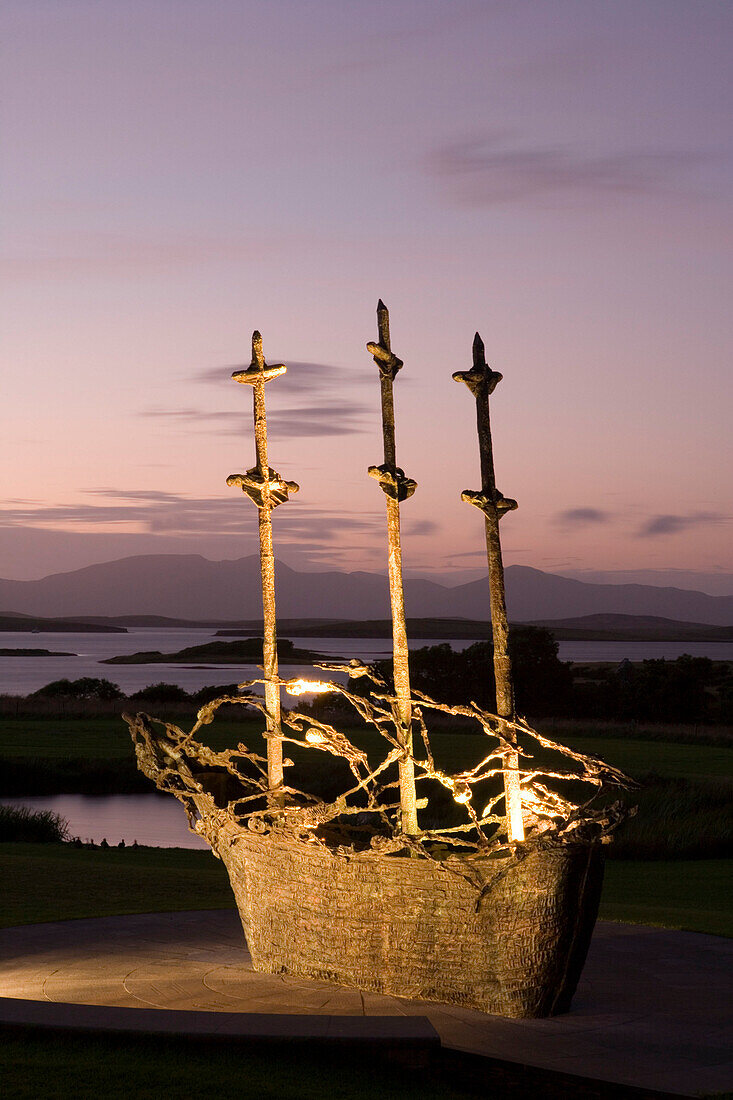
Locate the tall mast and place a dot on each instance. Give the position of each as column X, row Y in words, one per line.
column 482, row 382
column 396, row 488
column 266, row 489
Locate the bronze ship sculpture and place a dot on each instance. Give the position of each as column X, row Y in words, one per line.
column 491, row 908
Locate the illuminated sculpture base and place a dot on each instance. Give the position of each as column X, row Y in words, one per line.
column 417, row 928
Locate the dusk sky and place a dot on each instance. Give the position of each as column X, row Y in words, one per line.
column 554, row 173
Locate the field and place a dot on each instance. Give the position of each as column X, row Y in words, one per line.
column 686, row 751
column 667, row 866
column 59, row 882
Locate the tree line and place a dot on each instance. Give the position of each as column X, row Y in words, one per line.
column 687, row 689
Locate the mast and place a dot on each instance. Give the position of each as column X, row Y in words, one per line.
column 266, row 489
column 482, row 382
column 396, row 487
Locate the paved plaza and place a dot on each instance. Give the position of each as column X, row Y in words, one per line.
column 652, row 1008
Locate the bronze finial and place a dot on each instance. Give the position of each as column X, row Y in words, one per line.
column 482, row 381
column 266, row 489
column 396, row 487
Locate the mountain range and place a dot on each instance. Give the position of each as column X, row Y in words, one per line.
column 188, row 586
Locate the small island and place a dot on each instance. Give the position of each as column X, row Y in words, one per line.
column 33, row 653
column 247, row 651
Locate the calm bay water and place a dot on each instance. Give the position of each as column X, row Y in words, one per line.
column 22, row 675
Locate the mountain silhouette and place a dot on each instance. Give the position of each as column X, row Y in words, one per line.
column 189, row 586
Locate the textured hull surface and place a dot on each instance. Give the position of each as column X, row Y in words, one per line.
column 418, row 928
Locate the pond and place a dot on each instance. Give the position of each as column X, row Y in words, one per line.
column 151, row 819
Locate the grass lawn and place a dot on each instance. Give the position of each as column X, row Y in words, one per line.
column 49, row 882
column 34, row 1065
column 100, row 738
column 69, row 745
column 108, row 738
column 666, row 758
column 78, row 1067
column 694, row 894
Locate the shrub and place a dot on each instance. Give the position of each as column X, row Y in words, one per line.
column 88, row 687
column 161, row 693
column 677, row 819
column 213, row 691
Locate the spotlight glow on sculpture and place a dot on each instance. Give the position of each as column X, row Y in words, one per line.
column 314, row 737
column 306, row 687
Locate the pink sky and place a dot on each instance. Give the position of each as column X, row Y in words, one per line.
column 555, row 174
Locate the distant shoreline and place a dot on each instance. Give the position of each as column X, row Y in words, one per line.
column 29, row 624
column 588, row 628
column 642, row 630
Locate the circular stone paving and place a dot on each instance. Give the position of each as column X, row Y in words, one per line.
column 652, row 1008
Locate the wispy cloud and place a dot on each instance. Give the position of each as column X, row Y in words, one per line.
column 323, row 400
column 581, row 517
column 490, row 170
column 151, row 511
column 673, row 525
column 301, row 422
column 300, row 377
column 422, row 527
column 171, row 513
column 479, row 552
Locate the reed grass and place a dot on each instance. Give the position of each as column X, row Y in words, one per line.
column 677, row 819
column 22, row 824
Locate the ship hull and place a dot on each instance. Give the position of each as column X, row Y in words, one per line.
column 507, row 935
